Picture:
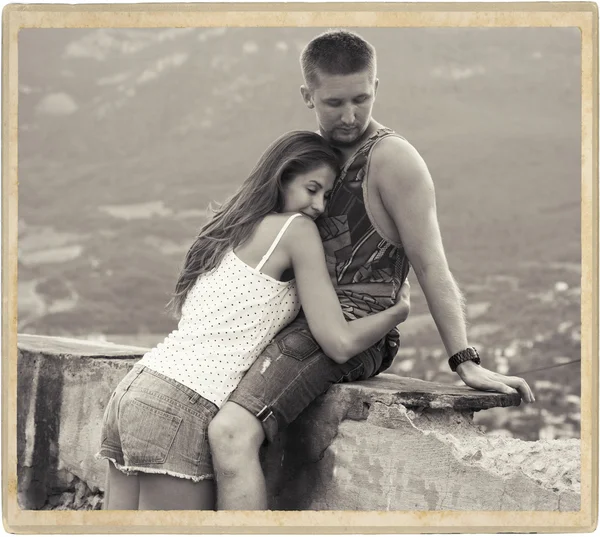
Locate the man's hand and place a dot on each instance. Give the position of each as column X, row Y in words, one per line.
column 480, row 378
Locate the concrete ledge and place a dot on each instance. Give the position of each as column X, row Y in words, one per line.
column 33, row 344
column 415, row 393
column 386, row 443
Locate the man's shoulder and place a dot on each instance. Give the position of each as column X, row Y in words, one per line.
column 393, row 146
column 394, row 155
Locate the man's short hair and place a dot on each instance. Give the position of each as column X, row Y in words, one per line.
column 337, row 52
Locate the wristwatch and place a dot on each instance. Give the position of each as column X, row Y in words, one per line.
column 469, row 354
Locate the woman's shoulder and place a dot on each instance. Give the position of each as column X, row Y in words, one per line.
column 300, row 229
column 293, row 221
column 296, row 225
column 283, row 217
column 297, row 221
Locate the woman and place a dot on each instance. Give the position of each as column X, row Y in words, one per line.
column 243, row 280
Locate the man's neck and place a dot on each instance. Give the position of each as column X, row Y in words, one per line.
column 349, row 150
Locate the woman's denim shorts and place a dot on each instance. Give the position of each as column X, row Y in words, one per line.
column 154, row 424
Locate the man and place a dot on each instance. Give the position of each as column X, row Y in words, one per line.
column 381, row 215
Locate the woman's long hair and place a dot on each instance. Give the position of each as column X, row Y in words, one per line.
column 234, row 221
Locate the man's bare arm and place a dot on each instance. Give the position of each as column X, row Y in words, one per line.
column 405, row 187
column 406, row 190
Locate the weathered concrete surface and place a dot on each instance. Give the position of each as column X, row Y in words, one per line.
column 63, row 388
column 387, row 443
column 360, row 451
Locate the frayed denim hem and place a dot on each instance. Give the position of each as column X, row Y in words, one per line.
column 134, row 470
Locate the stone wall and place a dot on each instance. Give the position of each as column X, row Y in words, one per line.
column 63, row 386
column 389, row 443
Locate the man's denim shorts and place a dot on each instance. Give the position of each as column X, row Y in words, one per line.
column 293, row 371
column 154, row 424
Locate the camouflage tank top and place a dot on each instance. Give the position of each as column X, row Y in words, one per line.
column 366, row 270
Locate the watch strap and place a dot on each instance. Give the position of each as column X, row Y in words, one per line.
column 468, row 354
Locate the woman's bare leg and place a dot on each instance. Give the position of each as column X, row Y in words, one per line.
column 165, row 492
column 122, row 491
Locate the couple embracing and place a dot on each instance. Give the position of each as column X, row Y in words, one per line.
column 297, row 282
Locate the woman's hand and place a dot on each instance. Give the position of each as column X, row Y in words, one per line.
column 401, row 308
column 480, row 378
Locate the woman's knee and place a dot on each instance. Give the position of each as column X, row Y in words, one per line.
column 234, row 431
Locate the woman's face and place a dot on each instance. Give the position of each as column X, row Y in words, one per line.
column 307, row 193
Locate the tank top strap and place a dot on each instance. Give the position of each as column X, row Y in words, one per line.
column 367, row 149
column 265, row 257
column 368, row 144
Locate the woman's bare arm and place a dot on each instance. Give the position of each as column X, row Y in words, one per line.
column 340, row 339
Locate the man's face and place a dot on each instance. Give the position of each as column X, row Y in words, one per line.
column 343, row 104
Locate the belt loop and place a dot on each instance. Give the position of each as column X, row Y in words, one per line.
column 264, row 414
column 194, row 397
column 137, row 370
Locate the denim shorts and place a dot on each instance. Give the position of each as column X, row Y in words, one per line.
column 293, row 371
column 154, row 424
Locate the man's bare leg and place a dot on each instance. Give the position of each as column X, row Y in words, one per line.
column 235, row 437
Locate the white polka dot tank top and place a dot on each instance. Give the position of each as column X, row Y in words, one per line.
column 228, row 318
